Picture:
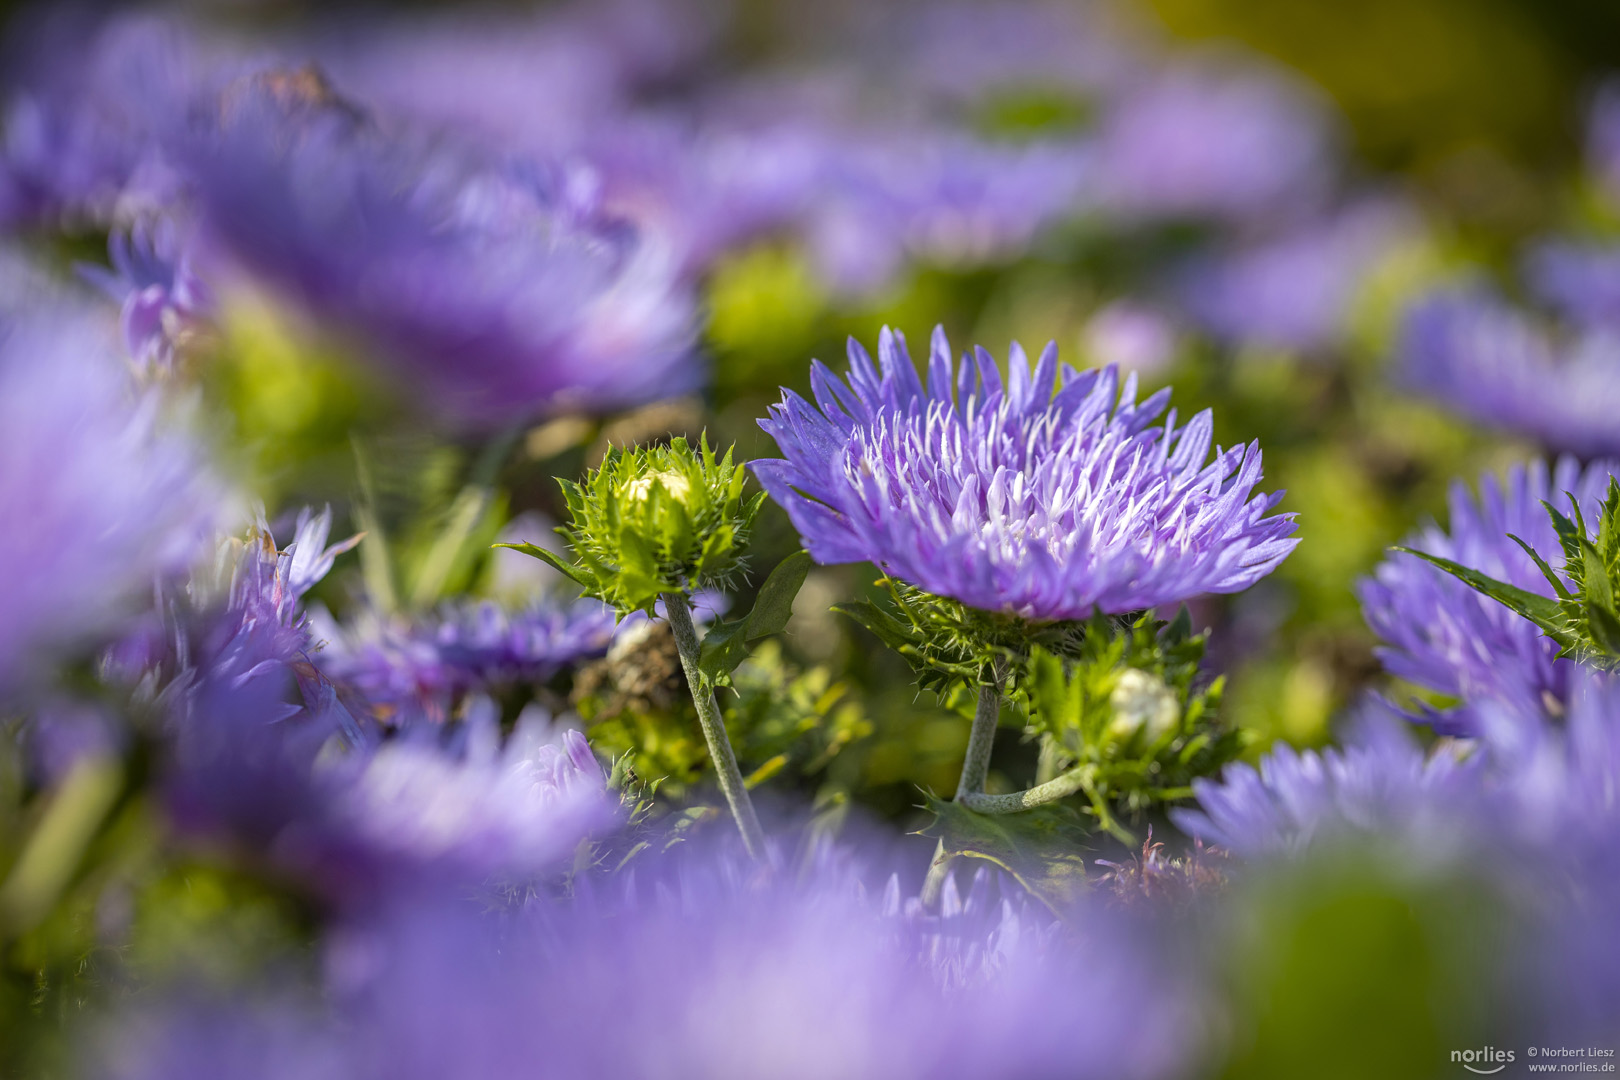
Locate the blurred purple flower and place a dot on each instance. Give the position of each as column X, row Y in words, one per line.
column 1580, row 281
column 1131, row 336
column 1448, row 638
column 1380, row 787
column 423, row 667
column 98, row 495
column 1200, row 140
column 1478, row 356
column 1293, row 291
column 1013, row 499
column 717, row 976
column 163, row 303
column 497, row 291
column 81, row 126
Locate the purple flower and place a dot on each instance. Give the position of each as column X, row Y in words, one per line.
column 1013, row 498
column 1293, row 291
column 80, row 136
column 495, row 290
column 163, row 303
column 1208, row 140
column 785, row 975
column 1448, row 638
column 99, row 496
column 1478, row 356
column 1380, row 787
column 1580, row 281
column 424, row 667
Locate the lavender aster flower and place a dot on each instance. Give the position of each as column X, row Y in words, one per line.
column 1448, row 638
column 1038, row 497
column 99, row 497
column 1293, row 291
column 499, row 290
column 425, row 666
column 753, row 977
column 163, row 303
column 1206, row 140
column 1382, row 785
column 1580, row 281
column 1479, row 356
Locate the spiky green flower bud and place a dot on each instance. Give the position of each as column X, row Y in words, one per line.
column 653, row 520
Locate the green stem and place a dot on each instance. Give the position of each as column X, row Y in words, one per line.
column 1076, row 779
column 975, row 767
column 679, row 613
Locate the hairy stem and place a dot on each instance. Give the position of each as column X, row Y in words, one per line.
column 679, row 613
column 975, row 767
column 1077, row 779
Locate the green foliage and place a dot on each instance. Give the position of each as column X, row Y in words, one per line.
column 950, row 645
column 782, row 720
column 653, row 520
column 1039, row 848
column 726, row 644
column 1581, row 616
column 1126, row 714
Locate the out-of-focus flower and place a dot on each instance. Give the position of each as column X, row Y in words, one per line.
column 1380, row 787
column 1478, row 356
column 163, row 303
column 498, row 290
column 1030, row 497
column 411, row 812
column 1293, row 291
column 1204, row 140
column 81, row 130
column 1579, row 281
column 98, row 495
column 1449, row 638
column 423, row 667
column 794, row 975
column 1131, row 336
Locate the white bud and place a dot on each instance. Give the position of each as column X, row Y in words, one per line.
column 1142, row 703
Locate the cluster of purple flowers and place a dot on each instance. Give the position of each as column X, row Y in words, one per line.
column 509, row 219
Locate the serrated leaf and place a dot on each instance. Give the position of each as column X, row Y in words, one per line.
column 1541, row 610
column 1038, row 847
column 774, row 607
column 579, row 576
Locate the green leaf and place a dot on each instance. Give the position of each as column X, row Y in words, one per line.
column 1541, row 610
column 557, row 561
column 725, row 646
column 1038, row 847
column 1605, row 626
column 774, row 606
column 1595, row 581
column 1569, row 535
column 889, row 630
column 1546, row 571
